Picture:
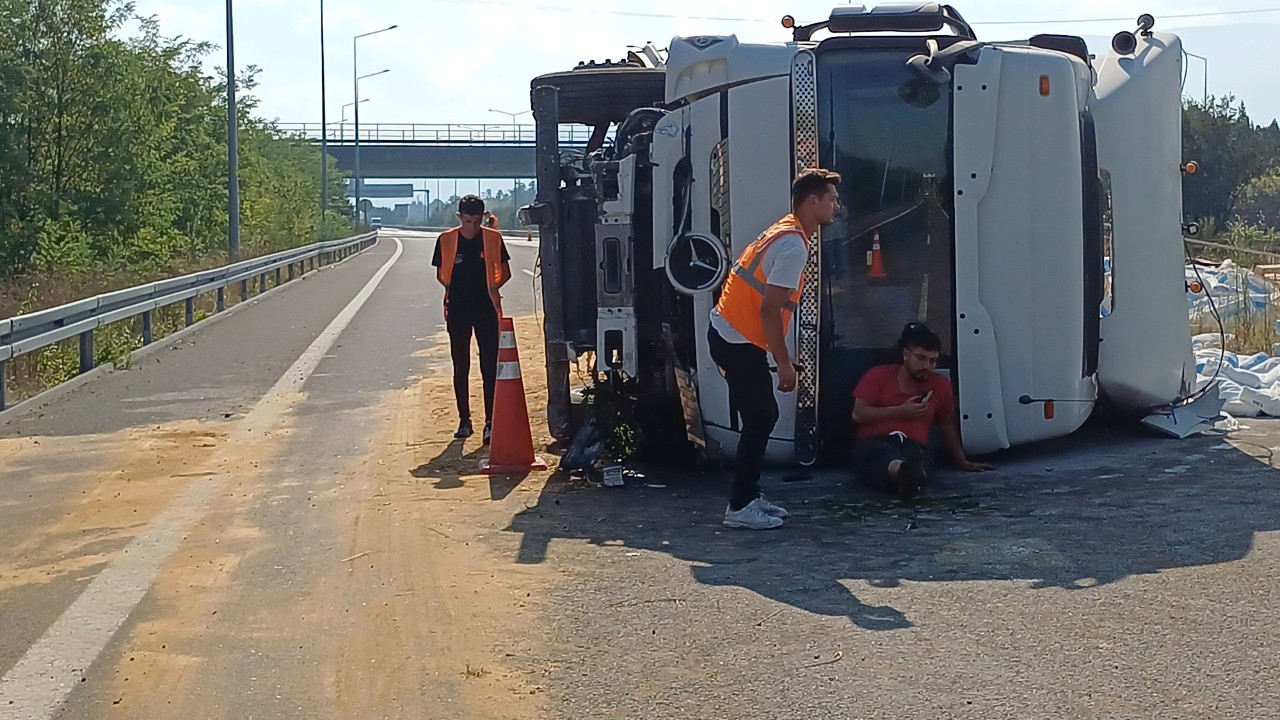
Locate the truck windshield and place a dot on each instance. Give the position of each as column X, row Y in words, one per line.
column 889, row 136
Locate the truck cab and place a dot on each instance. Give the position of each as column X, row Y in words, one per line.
column 985, row 187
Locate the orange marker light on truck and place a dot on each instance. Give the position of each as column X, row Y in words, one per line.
column 1048, row 409
column 1044, row 85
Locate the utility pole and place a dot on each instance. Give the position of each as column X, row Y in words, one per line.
column 233, row 147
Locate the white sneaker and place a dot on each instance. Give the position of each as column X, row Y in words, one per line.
column 771, row 509
column 751, row 517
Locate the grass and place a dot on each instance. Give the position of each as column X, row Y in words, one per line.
column 894, row 508
column 30, row 374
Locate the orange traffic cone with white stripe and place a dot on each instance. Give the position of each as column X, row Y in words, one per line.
column 511, row 445
column 873, row 258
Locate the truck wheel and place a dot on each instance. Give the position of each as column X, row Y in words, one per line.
column 603, row 95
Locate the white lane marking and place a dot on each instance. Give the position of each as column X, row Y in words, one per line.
column 41, row 680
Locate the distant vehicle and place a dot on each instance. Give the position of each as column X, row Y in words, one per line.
column 375, row 223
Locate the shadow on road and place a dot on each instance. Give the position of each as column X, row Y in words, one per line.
column 453, row 463
column 449, row 466
column 1085, row 511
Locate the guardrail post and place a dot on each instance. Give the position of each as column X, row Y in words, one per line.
column 291, row 271
column 262, row 283
column 4, row 383
column 222, row 299
column 147, row 336
column 277, row 277
column 86, row 351
column 244, row 290
column 191, row 311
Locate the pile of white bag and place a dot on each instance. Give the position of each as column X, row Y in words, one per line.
column 1250, row 384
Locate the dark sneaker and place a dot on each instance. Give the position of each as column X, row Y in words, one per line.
column 464, row 430
column 488, row 431
column 911, row 475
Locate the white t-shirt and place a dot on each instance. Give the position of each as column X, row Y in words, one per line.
column 783, row 265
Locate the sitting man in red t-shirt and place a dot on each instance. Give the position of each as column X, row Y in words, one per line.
column 894, row 407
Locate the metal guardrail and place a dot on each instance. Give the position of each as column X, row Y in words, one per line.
column 435, row 134
column 27, row 333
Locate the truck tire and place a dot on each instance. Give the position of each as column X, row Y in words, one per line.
column 603, row 95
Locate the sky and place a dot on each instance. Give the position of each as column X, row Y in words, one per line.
column 456, row 61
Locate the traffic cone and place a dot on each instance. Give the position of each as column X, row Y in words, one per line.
column 511, row 444
column 873, row 259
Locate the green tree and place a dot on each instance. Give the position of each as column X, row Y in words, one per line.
column 113, row 150
column 1230, row 152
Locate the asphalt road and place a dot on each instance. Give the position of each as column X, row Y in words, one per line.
column 271, row 521
column 106, row 473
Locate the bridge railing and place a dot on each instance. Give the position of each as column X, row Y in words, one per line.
column 27, row 333
column 423, row 133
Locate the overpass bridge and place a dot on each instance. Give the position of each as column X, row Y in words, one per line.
column 413, row 151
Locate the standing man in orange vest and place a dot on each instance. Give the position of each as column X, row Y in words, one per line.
column 750, row 322
column 472, row 264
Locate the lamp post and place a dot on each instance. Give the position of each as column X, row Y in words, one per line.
column 233, row 149
column 342, row 124
column 1206, row 75
column 355, row 73
column 358, row 179
column 324, row 133
column 515, row 138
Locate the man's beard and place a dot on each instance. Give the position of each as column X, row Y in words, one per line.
column 921, row 375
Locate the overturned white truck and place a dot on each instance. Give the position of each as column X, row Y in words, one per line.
column 983, row 185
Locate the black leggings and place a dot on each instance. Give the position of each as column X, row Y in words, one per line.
column 461, row 327
column 746, row 371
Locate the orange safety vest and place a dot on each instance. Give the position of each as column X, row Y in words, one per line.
column 743, row 292
column 492, row 222
column 492, row 240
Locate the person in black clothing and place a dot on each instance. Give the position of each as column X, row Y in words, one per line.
column 472, row 303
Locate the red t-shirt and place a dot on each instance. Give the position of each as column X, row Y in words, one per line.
column 880, row 388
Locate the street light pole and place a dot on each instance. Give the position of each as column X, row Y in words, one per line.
column 358, row 179
column 355, row 73
column 1206, row 76
column 515, row 138
column 342, row 124
column 324, row 133
column 233, row 147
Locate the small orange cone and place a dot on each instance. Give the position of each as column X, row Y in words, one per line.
column 873, row 259
column 511, row 445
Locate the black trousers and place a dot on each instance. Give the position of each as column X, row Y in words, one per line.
column 462, row 326
column 746, row 370
column 871, row 459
